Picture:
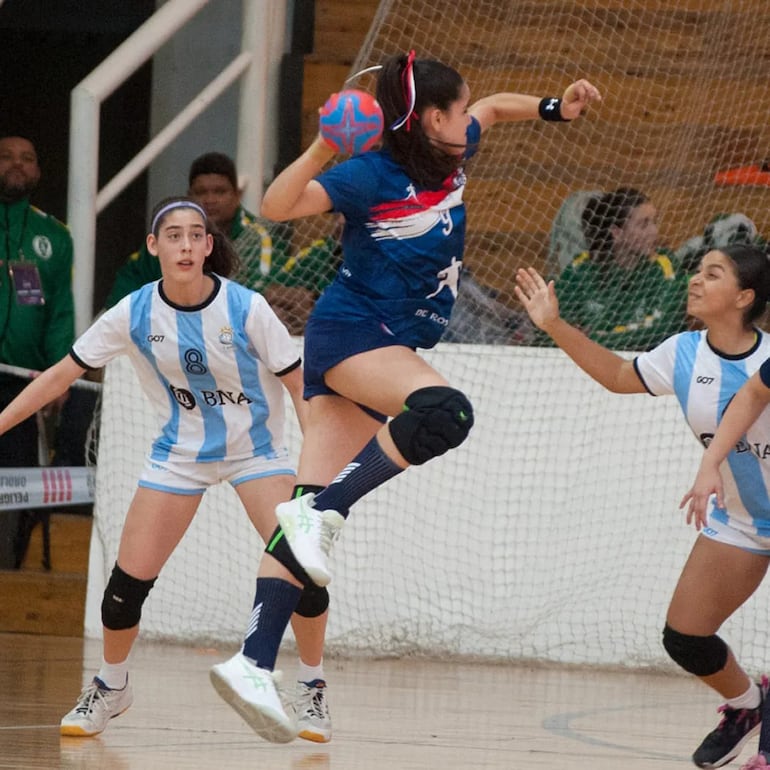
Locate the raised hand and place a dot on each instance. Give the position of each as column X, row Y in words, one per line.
column 577, row 97
column 537, row 296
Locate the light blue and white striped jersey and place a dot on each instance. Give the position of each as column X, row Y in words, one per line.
column 704, row 381
column 209, row 370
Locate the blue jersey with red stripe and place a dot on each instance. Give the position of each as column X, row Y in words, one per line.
column 402, row 245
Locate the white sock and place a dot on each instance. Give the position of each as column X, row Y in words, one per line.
column 749, row 700
column 307, row 673
column 114, row 675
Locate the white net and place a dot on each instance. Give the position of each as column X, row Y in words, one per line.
column 684, row 120
column 553, row 533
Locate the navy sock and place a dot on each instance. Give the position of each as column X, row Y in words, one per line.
column 274, row 603
column 370, row 468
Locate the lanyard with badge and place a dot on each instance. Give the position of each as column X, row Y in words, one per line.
column 24, row 275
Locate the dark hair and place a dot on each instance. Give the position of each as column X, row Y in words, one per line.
column 214, row 163
column 606, row 211
column 223, row 259
column 436, row 85
column 752, row 270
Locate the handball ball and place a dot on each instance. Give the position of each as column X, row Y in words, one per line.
column 351, row 121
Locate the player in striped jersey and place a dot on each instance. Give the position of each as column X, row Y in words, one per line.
column 213, row 359
column 743, row 441
column 704, row 370
column 402, row 244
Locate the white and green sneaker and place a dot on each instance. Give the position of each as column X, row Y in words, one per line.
column 310, row 534
column 252, row 692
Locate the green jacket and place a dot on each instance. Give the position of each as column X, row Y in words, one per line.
column 624, row 309
column 264, row 250
column 35, row 336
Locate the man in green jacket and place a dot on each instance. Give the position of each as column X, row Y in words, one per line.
column 37, row 315
column 290, row 283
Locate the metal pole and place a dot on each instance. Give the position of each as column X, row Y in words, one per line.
column 262, row 31
column 85, row 103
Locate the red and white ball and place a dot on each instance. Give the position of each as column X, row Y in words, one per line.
column 351, row 121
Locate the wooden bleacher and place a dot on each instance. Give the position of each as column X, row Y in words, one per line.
column 662, row 99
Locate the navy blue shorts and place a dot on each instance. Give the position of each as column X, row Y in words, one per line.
column 328, row 342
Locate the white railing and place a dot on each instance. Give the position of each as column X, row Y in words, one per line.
column 262, row 20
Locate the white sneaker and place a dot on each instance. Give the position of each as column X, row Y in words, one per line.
column 96, row 705
column 252, row 692
column 310, row 534
column 313, row 720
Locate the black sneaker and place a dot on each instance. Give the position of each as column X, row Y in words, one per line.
column 737, row 727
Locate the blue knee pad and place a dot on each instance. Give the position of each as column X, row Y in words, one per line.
column 435, row 419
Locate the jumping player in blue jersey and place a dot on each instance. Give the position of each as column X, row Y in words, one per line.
column 402, row 246
column 704, row 370
column 189, row 335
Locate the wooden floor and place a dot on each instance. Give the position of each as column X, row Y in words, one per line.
column 403, row 714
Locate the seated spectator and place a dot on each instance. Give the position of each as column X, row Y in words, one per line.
column 567, row 238
column 625, row 291
column 291, row 284
column 723, row 230
column 478, row 316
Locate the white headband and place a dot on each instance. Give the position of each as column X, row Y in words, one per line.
column 181, row 204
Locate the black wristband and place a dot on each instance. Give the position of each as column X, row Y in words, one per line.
column 550, row 109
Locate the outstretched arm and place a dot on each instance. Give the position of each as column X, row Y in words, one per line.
column 51, row 384
column 608, row 369
column 741, row 413
column 509, row 107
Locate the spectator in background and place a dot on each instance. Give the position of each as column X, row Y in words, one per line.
column 625, row 291
column 37, row 316
column 291, row 284
column 723, row 230
column 567, row 238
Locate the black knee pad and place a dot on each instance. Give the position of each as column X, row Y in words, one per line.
column 279, row 549
column 699, row 655
column 303, row 489
column 435, row 420
column 123, row 600
column 312, row 602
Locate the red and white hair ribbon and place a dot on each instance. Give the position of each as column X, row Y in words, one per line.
column 410, row 94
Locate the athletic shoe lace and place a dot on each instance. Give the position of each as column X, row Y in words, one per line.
column 312, row 702
column 90, row 694
column 734, row 717
column 316, row 705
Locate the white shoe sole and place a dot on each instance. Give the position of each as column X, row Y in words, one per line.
column 266, row 722
column 315, row 736
column 78, row 731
